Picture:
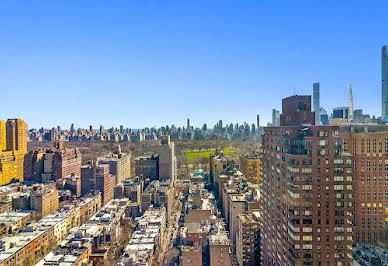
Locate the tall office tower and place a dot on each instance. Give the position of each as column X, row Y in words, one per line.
column 350, row 103
column 258, row 122
column 384, row 82
column 306, row 191
column 188, row 123
column 316, row 95
column 273, row 117
column 102, row 130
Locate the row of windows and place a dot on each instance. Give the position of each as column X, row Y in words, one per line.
column 374, row 146
column 373, row 193
column 373, row 165
column 372, row 223
column 376, row 181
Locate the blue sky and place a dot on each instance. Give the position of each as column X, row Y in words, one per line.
column 144, row 63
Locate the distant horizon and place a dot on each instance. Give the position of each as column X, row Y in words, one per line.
column 144, row 64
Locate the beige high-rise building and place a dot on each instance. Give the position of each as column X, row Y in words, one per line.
column 167, row 159
column 13, row 147
column 250, row 167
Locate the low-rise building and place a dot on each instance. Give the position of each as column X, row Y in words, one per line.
column 12, row 220
column 148, row 240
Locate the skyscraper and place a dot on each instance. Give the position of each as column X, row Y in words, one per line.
column 13, row 147
column 275, row 117
column 258, row 122
column 350, row 103
column 188, row 123
column 384, row 83
column 316, row 103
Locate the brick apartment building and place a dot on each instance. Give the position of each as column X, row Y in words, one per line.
column 307, row 192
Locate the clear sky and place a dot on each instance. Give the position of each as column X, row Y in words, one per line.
column 144, row 63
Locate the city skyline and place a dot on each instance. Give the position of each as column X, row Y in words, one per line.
column 103, row 63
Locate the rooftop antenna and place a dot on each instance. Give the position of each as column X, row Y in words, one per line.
column 294, row 92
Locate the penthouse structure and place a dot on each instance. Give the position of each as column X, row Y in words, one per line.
column 307, row 192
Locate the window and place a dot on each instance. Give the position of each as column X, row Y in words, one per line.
column 374, row 145
column 368, row 145
column 380, row 145
column 362, row 180
column 386, row 147
column 363, row 146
